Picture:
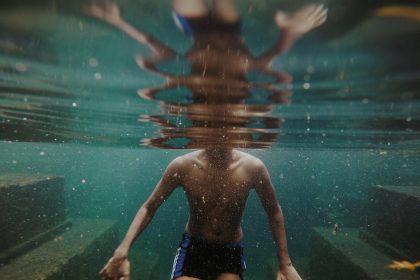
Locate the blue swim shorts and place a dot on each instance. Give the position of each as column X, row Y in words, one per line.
column 203, row 260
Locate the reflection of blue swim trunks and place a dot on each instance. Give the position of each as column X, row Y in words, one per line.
column 206, row 24
column 197, row 258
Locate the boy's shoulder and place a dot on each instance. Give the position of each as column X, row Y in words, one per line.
column 248, row 160
column 243, row 159
column 185, row 159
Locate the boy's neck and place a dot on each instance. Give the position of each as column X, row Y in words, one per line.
column 218, row 156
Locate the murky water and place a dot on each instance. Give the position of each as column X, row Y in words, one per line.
column 334, row 115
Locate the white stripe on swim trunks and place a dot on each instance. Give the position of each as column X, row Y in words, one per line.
column 175, row 261
column 177, row 22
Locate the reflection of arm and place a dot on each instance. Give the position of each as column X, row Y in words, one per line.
column 267, row 195
column 282, row 45
column 170, row 180
column 144, row 38
column 110, row 13
column 293, row 27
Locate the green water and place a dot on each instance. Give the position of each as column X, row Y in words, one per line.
column 69, row 106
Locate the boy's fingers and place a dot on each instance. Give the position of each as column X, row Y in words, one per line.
column 321, row 20
column 322, row 14
column 310, row 8
column 316, row 12
column 319, row 8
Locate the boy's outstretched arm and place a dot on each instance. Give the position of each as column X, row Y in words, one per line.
column 293, row 27
column 110, row 13
column 118, row 266
column 267, row 195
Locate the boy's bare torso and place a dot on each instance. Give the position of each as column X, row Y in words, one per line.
column 217, row 194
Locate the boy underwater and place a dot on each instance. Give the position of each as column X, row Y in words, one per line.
column 216, row 179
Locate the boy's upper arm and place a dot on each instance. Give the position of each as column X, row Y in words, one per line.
column 265, row 189
column 171, row 178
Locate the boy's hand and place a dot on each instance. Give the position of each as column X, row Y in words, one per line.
column 302, row 21
column 288, row 273
column 117, row 268
column 108, row 12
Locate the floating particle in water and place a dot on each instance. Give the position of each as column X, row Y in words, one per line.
column 408, row 119
column 365, row 101
column 308, row 129
column 97, row 76
column 281, row 176
column 83, row 181
column 14, row 161
column 93, row 62
column 42, row 153
column 21, row 67
column 382, row 152
column 74, row 104
column 335, row 229
column 324, row 134
column 341, row 75
column 306, row 85
column 250, row 9
column 310, row 69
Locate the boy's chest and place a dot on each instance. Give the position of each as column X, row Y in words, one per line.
column 211, row 184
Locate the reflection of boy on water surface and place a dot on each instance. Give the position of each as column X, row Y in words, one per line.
column 219, row 57
column 216, row 179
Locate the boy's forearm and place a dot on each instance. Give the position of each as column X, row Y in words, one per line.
column 279, row 234
column 140, row 222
